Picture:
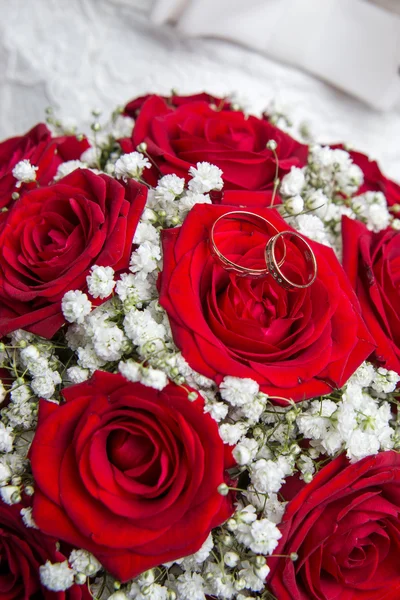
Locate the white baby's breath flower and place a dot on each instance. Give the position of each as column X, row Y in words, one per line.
column 68, row 167
column 77, row 374
column 122, row 127
column 131, row 166
column 169, row 187
column 238, row 391
column 145, row 258
column 145, row 232
column 154, row 378
column 293, row 183
column 294, row 205
column 205, row 177
column 26, row 514
column 56, row 577
column 82, row 561
column 24, row 172
column 6, row 438
column 100, row 281
column 75, row 306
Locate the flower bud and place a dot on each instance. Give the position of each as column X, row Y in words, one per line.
column 294, row 205
column 272, row 145
column 239, row 584
column 171, row 595
column 118, row 596
column 308, row 477
column 231, row 559
column 223, row 489
column 226, row 539
column 260, row 561
column 231, row 524
column 80, row 578
column 142, row 147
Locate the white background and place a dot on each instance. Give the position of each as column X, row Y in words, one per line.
column 76, row 55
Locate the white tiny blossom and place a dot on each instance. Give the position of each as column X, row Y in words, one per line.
column 88, row 359
column 130, row 370
column 109, row 343
column 44, row 386
column 10, row 494
column 294, row 205
column 133, row 289
column 83, row 561
column 217, row 410
column 3, row 392
column 122, row 127
column 6, row 438
column 238, row 391
column 131, row 166
column 189, row 200
column 145, row 258
column 293, row 182
column 265, row 536
column 68, row 167
column 26, row 514
column 75, row 306
column 5, row 473
column 267, row 476
column 91, row 156
column 190, row 586
column 378, row 218
column 204, row 552
column 254, row 578
column 145, row 232
column 221, row 584
column 56, row 577
column 311, row 226
column 100, row 281
column 77, row 374
column 154, row 378
column 141, row 328
column 364, row 375
column 232, row 432
column 169, row 187
column 245, row 451
column 385, row 381
column 205, row 177
column 24, row 172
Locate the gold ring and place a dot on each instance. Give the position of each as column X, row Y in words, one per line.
column 251, row 218
column 274, row 266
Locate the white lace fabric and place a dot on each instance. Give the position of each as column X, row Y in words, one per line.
column 77, row 55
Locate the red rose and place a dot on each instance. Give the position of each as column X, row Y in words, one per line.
column 294, row 344
column 372, row 262
column 51, row 238
column 42, row 151
column 345, row 528
column 133, row 107
column 374, row 180
column 178, row 138
column 22, row 551
column 129, row 473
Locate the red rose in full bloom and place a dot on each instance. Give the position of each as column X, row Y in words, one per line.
column 129, row 473
column 372, row 263
column 42, row 151
column 374, row 179
column 51, row 238
column 345, row 528
column 178, row 138
column 22, row 551
column 294, row 344
column 133, row 107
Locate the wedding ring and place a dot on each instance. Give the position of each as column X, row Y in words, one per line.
column 253, row 219
column 274, row 266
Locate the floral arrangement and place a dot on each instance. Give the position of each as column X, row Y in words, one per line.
column 200, row 355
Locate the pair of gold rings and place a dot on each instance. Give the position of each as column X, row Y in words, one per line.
column 275, row 252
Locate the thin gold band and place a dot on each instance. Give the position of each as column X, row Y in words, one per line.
column 251, row 218
column 274, row 266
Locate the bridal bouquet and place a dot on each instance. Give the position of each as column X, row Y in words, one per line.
column 200, row 353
